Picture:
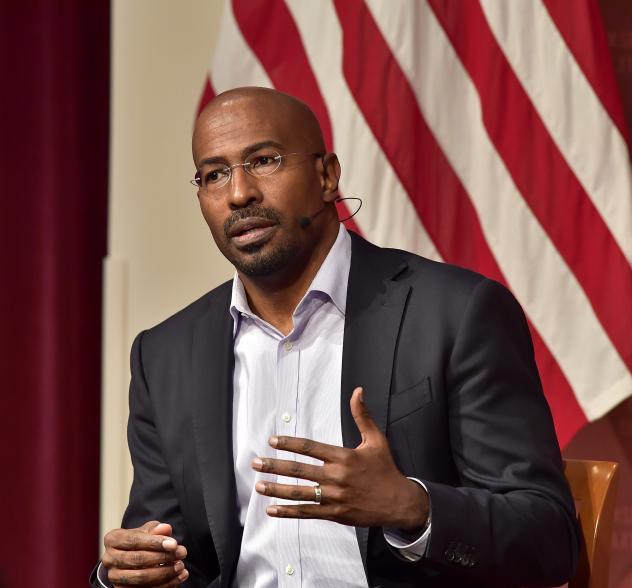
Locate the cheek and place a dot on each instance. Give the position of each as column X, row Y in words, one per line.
column 214, row 219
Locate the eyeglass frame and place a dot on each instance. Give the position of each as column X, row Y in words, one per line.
column 197, row 180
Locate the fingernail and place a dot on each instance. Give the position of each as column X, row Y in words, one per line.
column 181, row 552
column 361, row 395
column 272, row 511
column 184, row 575
column 169, row 544
column 260, row 487
column 274, row 441
column 257, row 463
column 178, row 567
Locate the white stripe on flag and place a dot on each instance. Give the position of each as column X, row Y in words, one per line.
column 451, row 106
column 234, row 64
column 569, row 108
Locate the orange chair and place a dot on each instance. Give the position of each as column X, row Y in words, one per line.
column 594, row 488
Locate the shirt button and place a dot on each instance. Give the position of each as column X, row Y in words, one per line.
column 286, row 417
column 289, row 570
column 288, row 346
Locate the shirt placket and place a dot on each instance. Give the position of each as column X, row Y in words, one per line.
column 288, row 360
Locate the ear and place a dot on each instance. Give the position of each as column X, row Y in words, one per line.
column 331, row 177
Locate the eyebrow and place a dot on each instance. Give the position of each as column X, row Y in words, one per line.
column 245, row 153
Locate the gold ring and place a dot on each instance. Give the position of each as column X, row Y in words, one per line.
column 318, row 494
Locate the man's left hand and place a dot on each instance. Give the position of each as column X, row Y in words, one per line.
column 360, row 487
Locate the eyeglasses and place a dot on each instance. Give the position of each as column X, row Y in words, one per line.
column 258, row 165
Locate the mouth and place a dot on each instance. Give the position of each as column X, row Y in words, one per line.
column 251, row 231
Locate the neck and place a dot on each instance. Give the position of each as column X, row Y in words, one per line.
column 274, row 298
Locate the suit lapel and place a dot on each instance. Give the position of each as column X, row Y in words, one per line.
column 375, row 307
column 212, row 367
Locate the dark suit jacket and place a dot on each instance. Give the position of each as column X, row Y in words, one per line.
column 446, row 361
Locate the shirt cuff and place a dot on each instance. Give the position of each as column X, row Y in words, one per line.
column 102, row 576
column 411, row 547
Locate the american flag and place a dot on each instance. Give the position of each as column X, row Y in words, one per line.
column 484, row 133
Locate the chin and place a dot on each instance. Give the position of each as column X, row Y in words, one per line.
column 258, row 260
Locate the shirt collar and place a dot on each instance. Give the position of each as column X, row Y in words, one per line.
column 332, row 279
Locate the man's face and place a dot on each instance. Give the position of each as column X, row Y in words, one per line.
column 254, row 220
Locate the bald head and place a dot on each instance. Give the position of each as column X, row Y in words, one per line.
column 268, row 108
column 274, row 217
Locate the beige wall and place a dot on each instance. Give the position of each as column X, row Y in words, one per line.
column 161, row 255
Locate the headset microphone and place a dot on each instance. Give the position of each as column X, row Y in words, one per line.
column 305, row 221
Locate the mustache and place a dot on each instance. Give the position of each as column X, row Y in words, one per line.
column 254, row 211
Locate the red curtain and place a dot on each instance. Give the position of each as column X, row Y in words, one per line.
column 54, row 101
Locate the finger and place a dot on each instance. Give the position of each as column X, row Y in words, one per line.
column 287, row 491
column 146, row 576
column 365, row 423
column 162, row 529
column 176, row 581
column 141, row 559
column 321, row 451
column 302, row 511
column 135, row 539
column 288, row 468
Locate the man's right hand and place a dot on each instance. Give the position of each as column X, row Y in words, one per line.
column 146, row 556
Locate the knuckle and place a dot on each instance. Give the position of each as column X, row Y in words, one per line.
column 129, row 541
column 307, row 445
column 296, row 469
column 137, row 577
column 107, row 560
column 110, row 537
column 295, row 494
column 335, row 494
column 114, row 575
column 149, row 525
column 337, row 475
column 346, row 458
column 136, row 558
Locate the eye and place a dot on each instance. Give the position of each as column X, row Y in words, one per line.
column 264, row 161
column 216, row 175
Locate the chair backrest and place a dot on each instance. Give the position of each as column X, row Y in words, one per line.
column 593, row 484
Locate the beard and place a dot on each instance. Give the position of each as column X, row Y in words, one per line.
column 259, row 259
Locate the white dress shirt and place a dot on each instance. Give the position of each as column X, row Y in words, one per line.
column 290, row 385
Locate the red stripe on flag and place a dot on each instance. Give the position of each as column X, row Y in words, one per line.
column 390, row 108
column 541, row 173
column 279, row 48
column 583, row 31
column 207, row 95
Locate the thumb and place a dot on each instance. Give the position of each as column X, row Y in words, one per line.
column 163, row 529
column 366, row 425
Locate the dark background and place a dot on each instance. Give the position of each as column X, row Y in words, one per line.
column 54, row 118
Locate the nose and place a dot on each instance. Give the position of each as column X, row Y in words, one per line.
column 243, row 189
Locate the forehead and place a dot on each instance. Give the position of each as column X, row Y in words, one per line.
column 226, row 129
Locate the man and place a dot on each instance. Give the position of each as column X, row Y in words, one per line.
column 338, row 414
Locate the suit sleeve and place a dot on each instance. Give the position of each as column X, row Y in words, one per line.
column 152, row 496
column 512, row 520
